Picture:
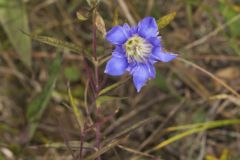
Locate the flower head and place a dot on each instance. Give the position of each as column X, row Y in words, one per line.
column 136, row 50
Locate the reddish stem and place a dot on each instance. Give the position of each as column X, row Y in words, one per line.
column 95, row 51
column 98, row 126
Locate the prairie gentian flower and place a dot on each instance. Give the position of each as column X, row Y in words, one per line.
column 137, row 48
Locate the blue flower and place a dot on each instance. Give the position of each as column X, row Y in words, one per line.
column 136, row 50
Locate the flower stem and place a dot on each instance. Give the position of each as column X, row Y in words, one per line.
column 95, row 51
column 98, row 126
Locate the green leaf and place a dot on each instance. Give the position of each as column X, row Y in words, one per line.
column 39, row 104
column 165, row 20
column 78, row 114
column 13, row 17
column 57, row 43
column 72, row 73
column 103, row 99
column 111, row 87
column 228, row 13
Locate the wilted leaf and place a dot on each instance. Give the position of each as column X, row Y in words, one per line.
column 229, row 73
column 165, row 20
column 100, row 24
column 231, row 98
column 39, row 104
column 13, row 17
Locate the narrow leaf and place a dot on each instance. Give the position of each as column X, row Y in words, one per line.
column 57, row 43
column 39, row 104
column 111, row 87
column 103, row 99
column 78, row 114
column 203, row 127
column 14, row 19
column 165, row 20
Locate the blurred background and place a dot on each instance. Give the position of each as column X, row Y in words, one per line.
column 36, row 118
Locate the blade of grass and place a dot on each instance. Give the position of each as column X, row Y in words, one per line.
column 198, row 125
column 203, row 127
column 230, row 89
column 192, row 128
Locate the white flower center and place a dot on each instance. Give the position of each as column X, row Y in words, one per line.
column 137, row 48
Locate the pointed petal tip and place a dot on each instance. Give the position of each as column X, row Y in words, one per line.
column 159, row 54
column 138, row 89
column 105, row 71
column 140, row 76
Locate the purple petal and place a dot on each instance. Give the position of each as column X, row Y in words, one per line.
column 155, row 41
column 134, row 30
column 151, row 70
column 117, row 35
column 119, row 52
column 116, row 66
column 148, row 27
column 127, row 29
column 140, row 76
column 159, row 54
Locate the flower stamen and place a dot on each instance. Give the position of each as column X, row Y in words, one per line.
column 137, row 48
